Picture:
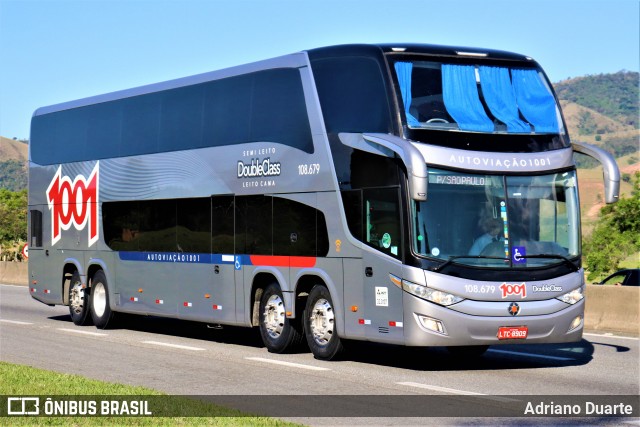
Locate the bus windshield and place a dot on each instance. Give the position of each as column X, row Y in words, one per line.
column 476, row 98
column 498, row 221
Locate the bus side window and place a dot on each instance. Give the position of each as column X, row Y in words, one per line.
column 36, row 228
column 193, row 232
column 294, row 228
column 121, row 223
column 382, row 220
column 158, row 226
column 254, row 228
column 222, row 233
column 352, row 200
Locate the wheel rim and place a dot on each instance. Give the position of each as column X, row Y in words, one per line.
column 76, row 298
column 322, row 322
column 274, row 316
column 99, row 299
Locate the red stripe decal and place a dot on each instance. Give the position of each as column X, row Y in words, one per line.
column 283, row 261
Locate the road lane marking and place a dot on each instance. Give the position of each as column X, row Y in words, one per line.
column 541, row 356
column 289, row 364
column 456, row 391
column 610, row 336
column 77, row 331
column 15, row 322
column 181, row 347
column 442, row 389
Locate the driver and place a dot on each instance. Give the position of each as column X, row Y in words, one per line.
column 491, row 228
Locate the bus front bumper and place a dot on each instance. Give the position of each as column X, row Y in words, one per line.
column 429, row 324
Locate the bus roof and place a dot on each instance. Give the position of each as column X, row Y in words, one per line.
column 422, row 49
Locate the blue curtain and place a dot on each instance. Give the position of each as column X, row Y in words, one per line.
column 403, row 70
column 460, row 95
column 535, row 101
column 501, row 99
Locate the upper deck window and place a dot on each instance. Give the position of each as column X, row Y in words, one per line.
column 476, row 98
column 263, row 106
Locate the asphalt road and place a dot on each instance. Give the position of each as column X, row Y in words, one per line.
column 186, row 358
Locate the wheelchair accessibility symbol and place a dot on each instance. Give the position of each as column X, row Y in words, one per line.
column 519, row 255
column 238, row 263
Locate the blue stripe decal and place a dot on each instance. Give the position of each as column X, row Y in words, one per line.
column 186, row 258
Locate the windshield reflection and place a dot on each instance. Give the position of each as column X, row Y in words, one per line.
column 498, row 221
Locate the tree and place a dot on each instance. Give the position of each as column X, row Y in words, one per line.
column 616, row 235
column 13, row 221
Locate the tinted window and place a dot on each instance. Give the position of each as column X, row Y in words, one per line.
column 352, row 200
column 352, row 94
column 121, row 222
column 140, row 226
column 140, row 119
column 193, row 233
column 266, row 106
column 279, row 111
column 228, row 122
column 222, row 211
column 254, row 234
column 36, row 228
column 103, row 134
column 157, row 226
column 294, row 228
column 202, row 225
column 382, row 220
column 181, row 122
column 322, row 244
column 373, row 217
column 370, row 170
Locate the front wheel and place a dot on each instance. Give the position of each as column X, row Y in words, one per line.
column 279, row 333
column 100, row 311
column 320, row 325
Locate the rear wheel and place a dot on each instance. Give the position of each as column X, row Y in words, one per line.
column 320, row 325
column 100, row 311
column 78, row 301
column 279, row 333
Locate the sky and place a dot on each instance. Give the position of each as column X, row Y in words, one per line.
column 53, row 51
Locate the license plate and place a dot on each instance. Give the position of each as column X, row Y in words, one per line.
column 513, row 332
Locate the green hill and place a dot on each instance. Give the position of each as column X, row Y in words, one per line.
column 612, row 95
column 13, row 164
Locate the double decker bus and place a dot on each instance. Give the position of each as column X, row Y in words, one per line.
column 407, row 194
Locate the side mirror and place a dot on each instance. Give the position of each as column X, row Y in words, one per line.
column 390, row 146
column 609, row 168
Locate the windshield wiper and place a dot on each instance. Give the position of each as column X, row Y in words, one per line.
column 453, row 258
column 554, row 256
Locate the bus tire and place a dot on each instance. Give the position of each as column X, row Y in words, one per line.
column 468, row 350
column 320, row 326
column 279, row 333
column 100, row 311
column 78, row 301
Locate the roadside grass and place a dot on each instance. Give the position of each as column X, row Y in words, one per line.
column 18, row 381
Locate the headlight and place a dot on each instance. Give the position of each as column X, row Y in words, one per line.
column 439, row 297
column 572, row 297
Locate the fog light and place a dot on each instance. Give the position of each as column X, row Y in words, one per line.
column 434, row 325
column 575, row 323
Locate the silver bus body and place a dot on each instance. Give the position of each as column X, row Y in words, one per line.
column 152, row 221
